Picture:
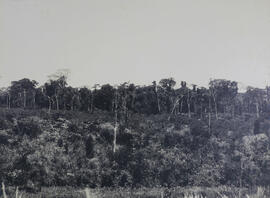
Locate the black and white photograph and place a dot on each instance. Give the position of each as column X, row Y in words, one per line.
column 134, row 98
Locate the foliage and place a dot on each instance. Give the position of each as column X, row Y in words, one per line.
column 190, row 136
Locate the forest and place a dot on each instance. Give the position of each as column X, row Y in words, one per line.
column 130, row 136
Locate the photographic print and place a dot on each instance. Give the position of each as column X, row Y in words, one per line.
column 134, row 98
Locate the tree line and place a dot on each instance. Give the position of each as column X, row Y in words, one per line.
column 221, row 96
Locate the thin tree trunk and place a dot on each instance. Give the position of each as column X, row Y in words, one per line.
column 4, row 190
column 125, row 108
column 240, row 179
column 188, row 103
column 64, row 107
column 24, row 98
column 50, row 104
column 209, row 116
column 17, row 192
column 201, row 110
column 34, row 100
column 133, row 100
column 157, row 99
column 216, row 110
column 181, row 106
column 92, row 103
column 257, row 110
column 174, row 106
column 189, row 113
column 115, row 121
column 72, row 103
column 158, row 104
column 8, row 101
column 57, row 103
column 195, row 108
column 88, row 104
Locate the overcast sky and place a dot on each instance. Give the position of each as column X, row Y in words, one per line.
column 112, row 41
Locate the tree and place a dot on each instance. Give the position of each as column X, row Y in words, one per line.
column 23, row 92
column 213, row 92
column 202, row 100
column 71, row 98
column 116, row 105
column 56, row 86
column 255, row 97
column 5, row 97
column 181, row 92
column 167, row 85
column 85, row 99
column 131, row 96
column 190, row 95
column 103, row 97
column 156, row 93
column 145, row 100
column 93, row 96
column 223, row 92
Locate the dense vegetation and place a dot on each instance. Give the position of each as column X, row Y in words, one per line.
column 134, row 136
column 220, row 97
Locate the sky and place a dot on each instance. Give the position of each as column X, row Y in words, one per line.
column 114, row 41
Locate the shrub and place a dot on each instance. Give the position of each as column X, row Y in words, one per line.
column 28, row 127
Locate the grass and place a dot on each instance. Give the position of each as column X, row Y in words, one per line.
column 179, row 192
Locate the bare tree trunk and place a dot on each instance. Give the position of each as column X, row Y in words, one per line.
column 133, row 100
column 64, row 107
column 92, row 103
column 216, row 110
column 72, row 103
column 17, row 192
column 240, row 179
column 188, row 103
column 87, row 193
column 115, row 121
column 24, row 98
column 189, row 113
column 4, row 190
column 157, row 99
column 209, row 116
column 57, row 102
column 8, row 101
column 201, row 110
column 88, row 105
column 50, row 104
column 174, row 106
column 181, row 106
column 195, row 108
column 158, row 104
column 257, row 110
column 34, row 100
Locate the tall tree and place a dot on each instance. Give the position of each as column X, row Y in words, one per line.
column 156, row 93
column 85, row 99
column 167, row 85
column 255, row 97
column 223, row 92
column 22, row 92
column 116, row 106
column 57, row 84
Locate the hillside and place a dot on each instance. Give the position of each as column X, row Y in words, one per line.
column 71, row 148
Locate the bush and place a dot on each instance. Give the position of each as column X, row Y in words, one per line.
column 4, row 124
column 28, row 127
